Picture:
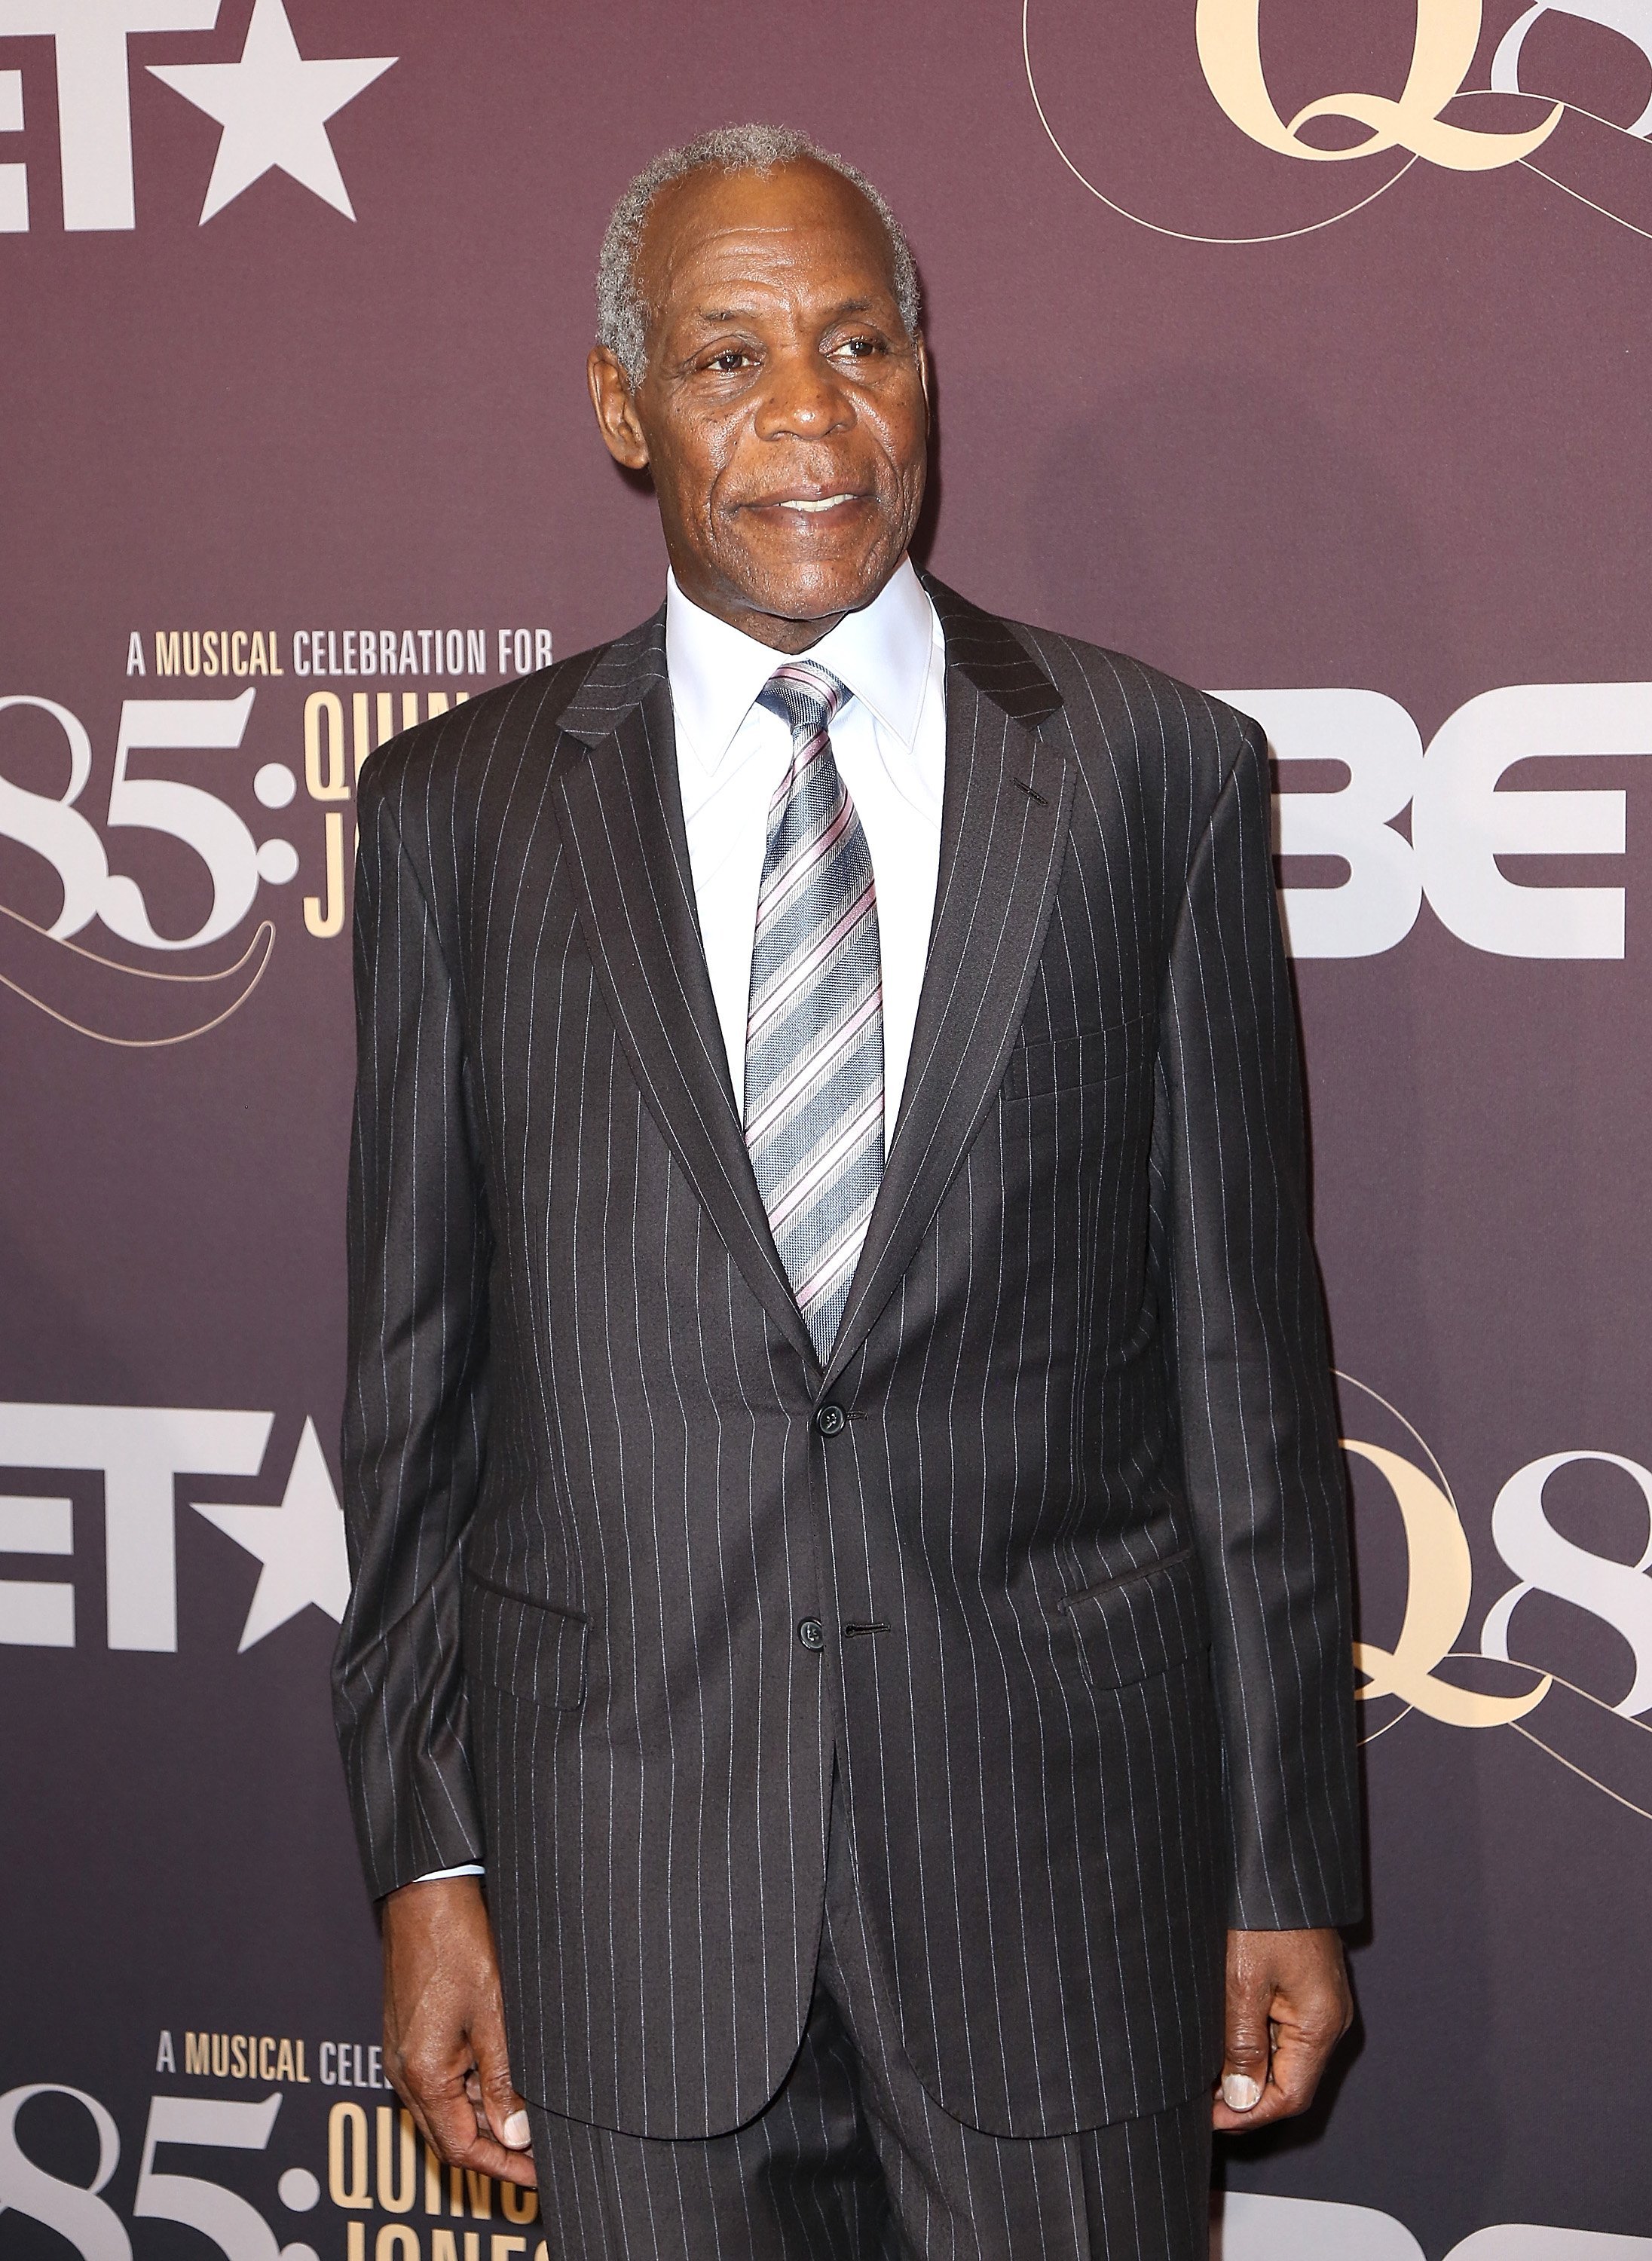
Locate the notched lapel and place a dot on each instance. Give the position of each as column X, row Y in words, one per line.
column 1007, row 804
column 620, row 809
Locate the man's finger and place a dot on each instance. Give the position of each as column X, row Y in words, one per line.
column 420, row 2120
column 458, row 2133
column 1245, row 2055
column 1302, row 2048
column 482, row 2156
column 449, row 2120
column 506, row 2114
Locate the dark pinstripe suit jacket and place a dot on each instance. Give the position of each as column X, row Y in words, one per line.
column 1077, row 1547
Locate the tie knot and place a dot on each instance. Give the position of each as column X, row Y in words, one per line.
column 805, row 695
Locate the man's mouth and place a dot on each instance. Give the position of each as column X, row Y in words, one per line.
column 810, row 506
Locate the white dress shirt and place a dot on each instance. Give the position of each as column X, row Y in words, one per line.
column 889, row 740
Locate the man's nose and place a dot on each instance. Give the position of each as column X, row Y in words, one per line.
column 803, row 399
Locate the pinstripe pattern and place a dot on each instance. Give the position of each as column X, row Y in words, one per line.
column 814, row 1058
column 1079, row 1549
column 852, row 2161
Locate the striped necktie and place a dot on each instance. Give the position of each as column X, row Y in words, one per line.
column 814, row 1079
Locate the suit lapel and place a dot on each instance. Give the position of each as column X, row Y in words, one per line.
column 620, row 809
column 1005, row 810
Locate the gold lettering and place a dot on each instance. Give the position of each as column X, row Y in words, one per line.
column 396, row 2242
column 519, row 2205
column 347, row 2175
column 1437, row 1597
column 285, row 2068
column 325, row 917
column 397, row 2163
column 328, row 783
column 1229, row 34
column 480, row 2188
column 166, row 658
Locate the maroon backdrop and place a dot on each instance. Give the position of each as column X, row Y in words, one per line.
column 294, row 387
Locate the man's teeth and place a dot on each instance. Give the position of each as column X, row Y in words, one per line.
column 826, row 502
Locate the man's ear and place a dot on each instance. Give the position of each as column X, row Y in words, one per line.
column 617, row 420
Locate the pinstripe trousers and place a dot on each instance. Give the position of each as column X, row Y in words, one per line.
column 854, row 2161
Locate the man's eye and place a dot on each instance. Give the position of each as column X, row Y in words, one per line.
column 860, row 348
column 729, row 359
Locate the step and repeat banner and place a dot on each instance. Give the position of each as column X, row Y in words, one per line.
column 1304, row 350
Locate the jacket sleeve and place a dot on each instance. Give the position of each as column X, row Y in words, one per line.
column 1256, row 1412
column 415, row 1407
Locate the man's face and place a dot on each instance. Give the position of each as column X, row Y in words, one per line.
column 783, row 412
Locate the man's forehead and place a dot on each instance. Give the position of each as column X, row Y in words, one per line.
column 802, row 215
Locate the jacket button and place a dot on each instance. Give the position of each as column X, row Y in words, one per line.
column 812, row 1634
column 829, row 1420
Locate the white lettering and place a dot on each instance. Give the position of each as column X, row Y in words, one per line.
column 1630, row 17
column 1377, row 741
column 14, row 179
column 138, row 1451
column 200, row 820
column 35, row 1613
column 1461, row 822
column 1545, row 1562
column 94, row 102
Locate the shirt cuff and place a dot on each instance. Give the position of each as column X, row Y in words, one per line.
column 435, row 1875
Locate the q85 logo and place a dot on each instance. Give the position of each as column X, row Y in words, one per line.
column 58, row 830
column 51, row 965
column 90, row 2226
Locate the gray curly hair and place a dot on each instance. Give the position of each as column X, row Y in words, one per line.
column 621, row 313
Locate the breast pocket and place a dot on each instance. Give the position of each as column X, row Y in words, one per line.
column 1104, row 1076
column 532, row 1650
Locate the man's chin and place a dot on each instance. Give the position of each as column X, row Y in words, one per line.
column 805, row 590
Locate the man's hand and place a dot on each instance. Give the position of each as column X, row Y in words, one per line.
column 1287, row 2006
column 444, row 2028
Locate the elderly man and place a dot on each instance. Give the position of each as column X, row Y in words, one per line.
column 846, row 1696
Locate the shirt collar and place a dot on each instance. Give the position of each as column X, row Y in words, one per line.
column 881, row 654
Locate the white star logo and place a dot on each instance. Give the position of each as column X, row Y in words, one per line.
column 300, row 1544
column 273, row 106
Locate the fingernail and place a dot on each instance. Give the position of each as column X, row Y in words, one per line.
column 516, row 2131
column 1240, row 2092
